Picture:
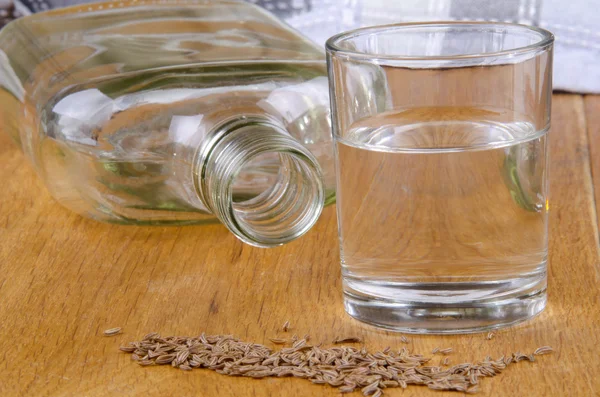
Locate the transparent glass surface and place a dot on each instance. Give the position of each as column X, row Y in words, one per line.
column 440, row 133
column 114, row 103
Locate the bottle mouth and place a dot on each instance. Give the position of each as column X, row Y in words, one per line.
column 286, row 210
column 283, row 211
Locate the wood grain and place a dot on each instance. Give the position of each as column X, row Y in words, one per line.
column 592, row 114
column 65, row 279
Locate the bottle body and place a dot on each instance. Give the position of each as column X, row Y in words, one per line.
column 115, row 107
column 136, row 162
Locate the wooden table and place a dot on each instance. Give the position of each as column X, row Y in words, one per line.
column 65, row 279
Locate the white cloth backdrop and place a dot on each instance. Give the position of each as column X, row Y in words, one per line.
column 576, row 25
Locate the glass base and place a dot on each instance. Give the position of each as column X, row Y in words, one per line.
column 445, row 308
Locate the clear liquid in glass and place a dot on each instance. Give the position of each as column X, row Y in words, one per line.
column 442, row 214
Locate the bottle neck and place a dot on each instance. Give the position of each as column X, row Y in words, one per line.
column 286, row 209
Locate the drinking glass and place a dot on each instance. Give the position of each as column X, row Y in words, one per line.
column 442, row 173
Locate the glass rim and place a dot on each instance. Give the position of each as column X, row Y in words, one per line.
column 332, row 44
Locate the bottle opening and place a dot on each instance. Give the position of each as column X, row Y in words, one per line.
column 286, row 209
column 262, row 184
column 257, row 177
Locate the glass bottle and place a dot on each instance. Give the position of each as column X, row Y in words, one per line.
column 172, row 112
